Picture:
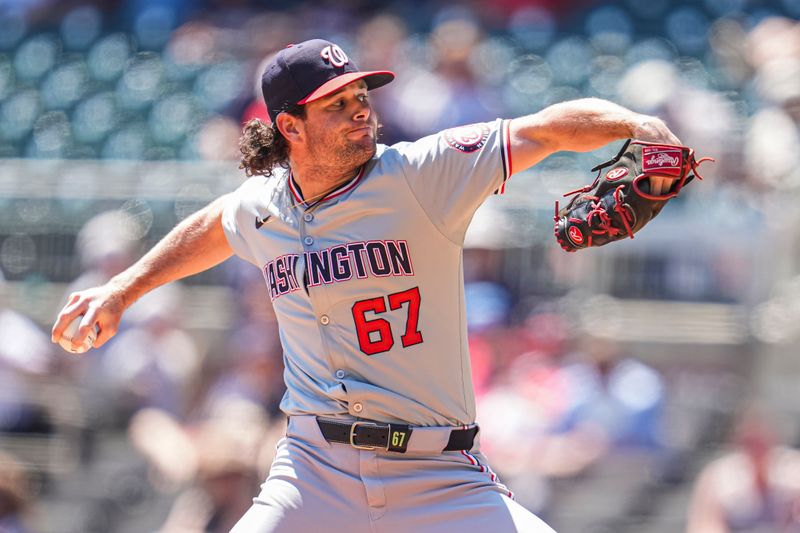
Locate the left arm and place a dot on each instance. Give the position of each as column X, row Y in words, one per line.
column 580, row 126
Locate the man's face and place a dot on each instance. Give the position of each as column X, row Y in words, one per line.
column 341, row 128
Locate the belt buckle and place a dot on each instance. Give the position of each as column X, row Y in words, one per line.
column 353, row 429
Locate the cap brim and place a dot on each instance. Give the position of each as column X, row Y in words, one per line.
column 373, row 79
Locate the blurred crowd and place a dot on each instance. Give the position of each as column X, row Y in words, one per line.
column 559, row 408
column 166, row 79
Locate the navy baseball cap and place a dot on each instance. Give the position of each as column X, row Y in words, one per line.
column 308, row 71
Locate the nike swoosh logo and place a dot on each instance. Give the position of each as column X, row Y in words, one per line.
column 261, row 221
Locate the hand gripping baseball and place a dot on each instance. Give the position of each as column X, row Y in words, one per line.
column 98, row 312
column 637, row 183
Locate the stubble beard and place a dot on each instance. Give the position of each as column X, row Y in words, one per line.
column 353, row 154
column 339, row 152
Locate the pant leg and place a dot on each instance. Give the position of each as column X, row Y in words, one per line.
column 311, row 487
column 315, row 486
column 454, row 492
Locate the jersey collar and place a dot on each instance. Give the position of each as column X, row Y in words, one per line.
column 347, row 186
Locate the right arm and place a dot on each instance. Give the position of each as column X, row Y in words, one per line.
column 196, row 244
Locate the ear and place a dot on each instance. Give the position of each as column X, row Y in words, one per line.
column 291, row 127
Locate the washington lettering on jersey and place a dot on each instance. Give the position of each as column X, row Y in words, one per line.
column 339, row 263
column 281, row 276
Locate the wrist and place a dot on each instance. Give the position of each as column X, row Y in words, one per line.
column 641, row 126
column 652, row 129
column 123, row 289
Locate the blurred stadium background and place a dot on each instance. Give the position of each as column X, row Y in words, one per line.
column 118, row 118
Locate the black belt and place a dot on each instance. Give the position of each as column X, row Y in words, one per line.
column 391, row 437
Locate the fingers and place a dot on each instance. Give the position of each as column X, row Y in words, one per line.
column 75, row 307
column 655, row 185
column 105, row 330
column 87, row 326
column 661, row 185
column 101, row 313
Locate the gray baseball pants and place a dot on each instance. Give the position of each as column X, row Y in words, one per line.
column 318, row 487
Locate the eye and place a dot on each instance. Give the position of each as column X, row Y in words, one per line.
column 338, row 104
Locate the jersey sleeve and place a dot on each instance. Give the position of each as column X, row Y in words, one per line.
column 237, row 219
column 452, row 172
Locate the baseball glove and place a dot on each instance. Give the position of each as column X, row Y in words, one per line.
column 619, row 203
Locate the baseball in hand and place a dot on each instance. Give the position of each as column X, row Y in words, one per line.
column 72, row 329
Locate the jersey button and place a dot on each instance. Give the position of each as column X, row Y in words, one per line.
column 308, row 241
column 308, row 217
column 357, row 407
column 340, row 374
column 324, row 320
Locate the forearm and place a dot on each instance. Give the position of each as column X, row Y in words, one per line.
column 194, row 245
column 580, row 126
column 584, row 125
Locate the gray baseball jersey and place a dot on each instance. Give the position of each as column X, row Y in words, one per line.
column 367, row 282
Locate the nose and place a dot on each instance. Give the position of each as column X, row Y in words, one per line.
column 363, row 111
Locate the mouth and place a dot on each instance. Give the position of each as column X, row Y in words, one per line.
column 363, row 130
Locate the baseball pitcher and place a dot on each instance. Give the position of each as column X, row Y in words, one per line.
column 360, row 246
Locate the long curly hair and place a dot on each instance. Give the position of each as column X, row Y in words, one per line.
column 263, row 147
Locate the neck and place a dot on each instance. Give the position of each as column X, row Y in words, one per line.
column 316, row 181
